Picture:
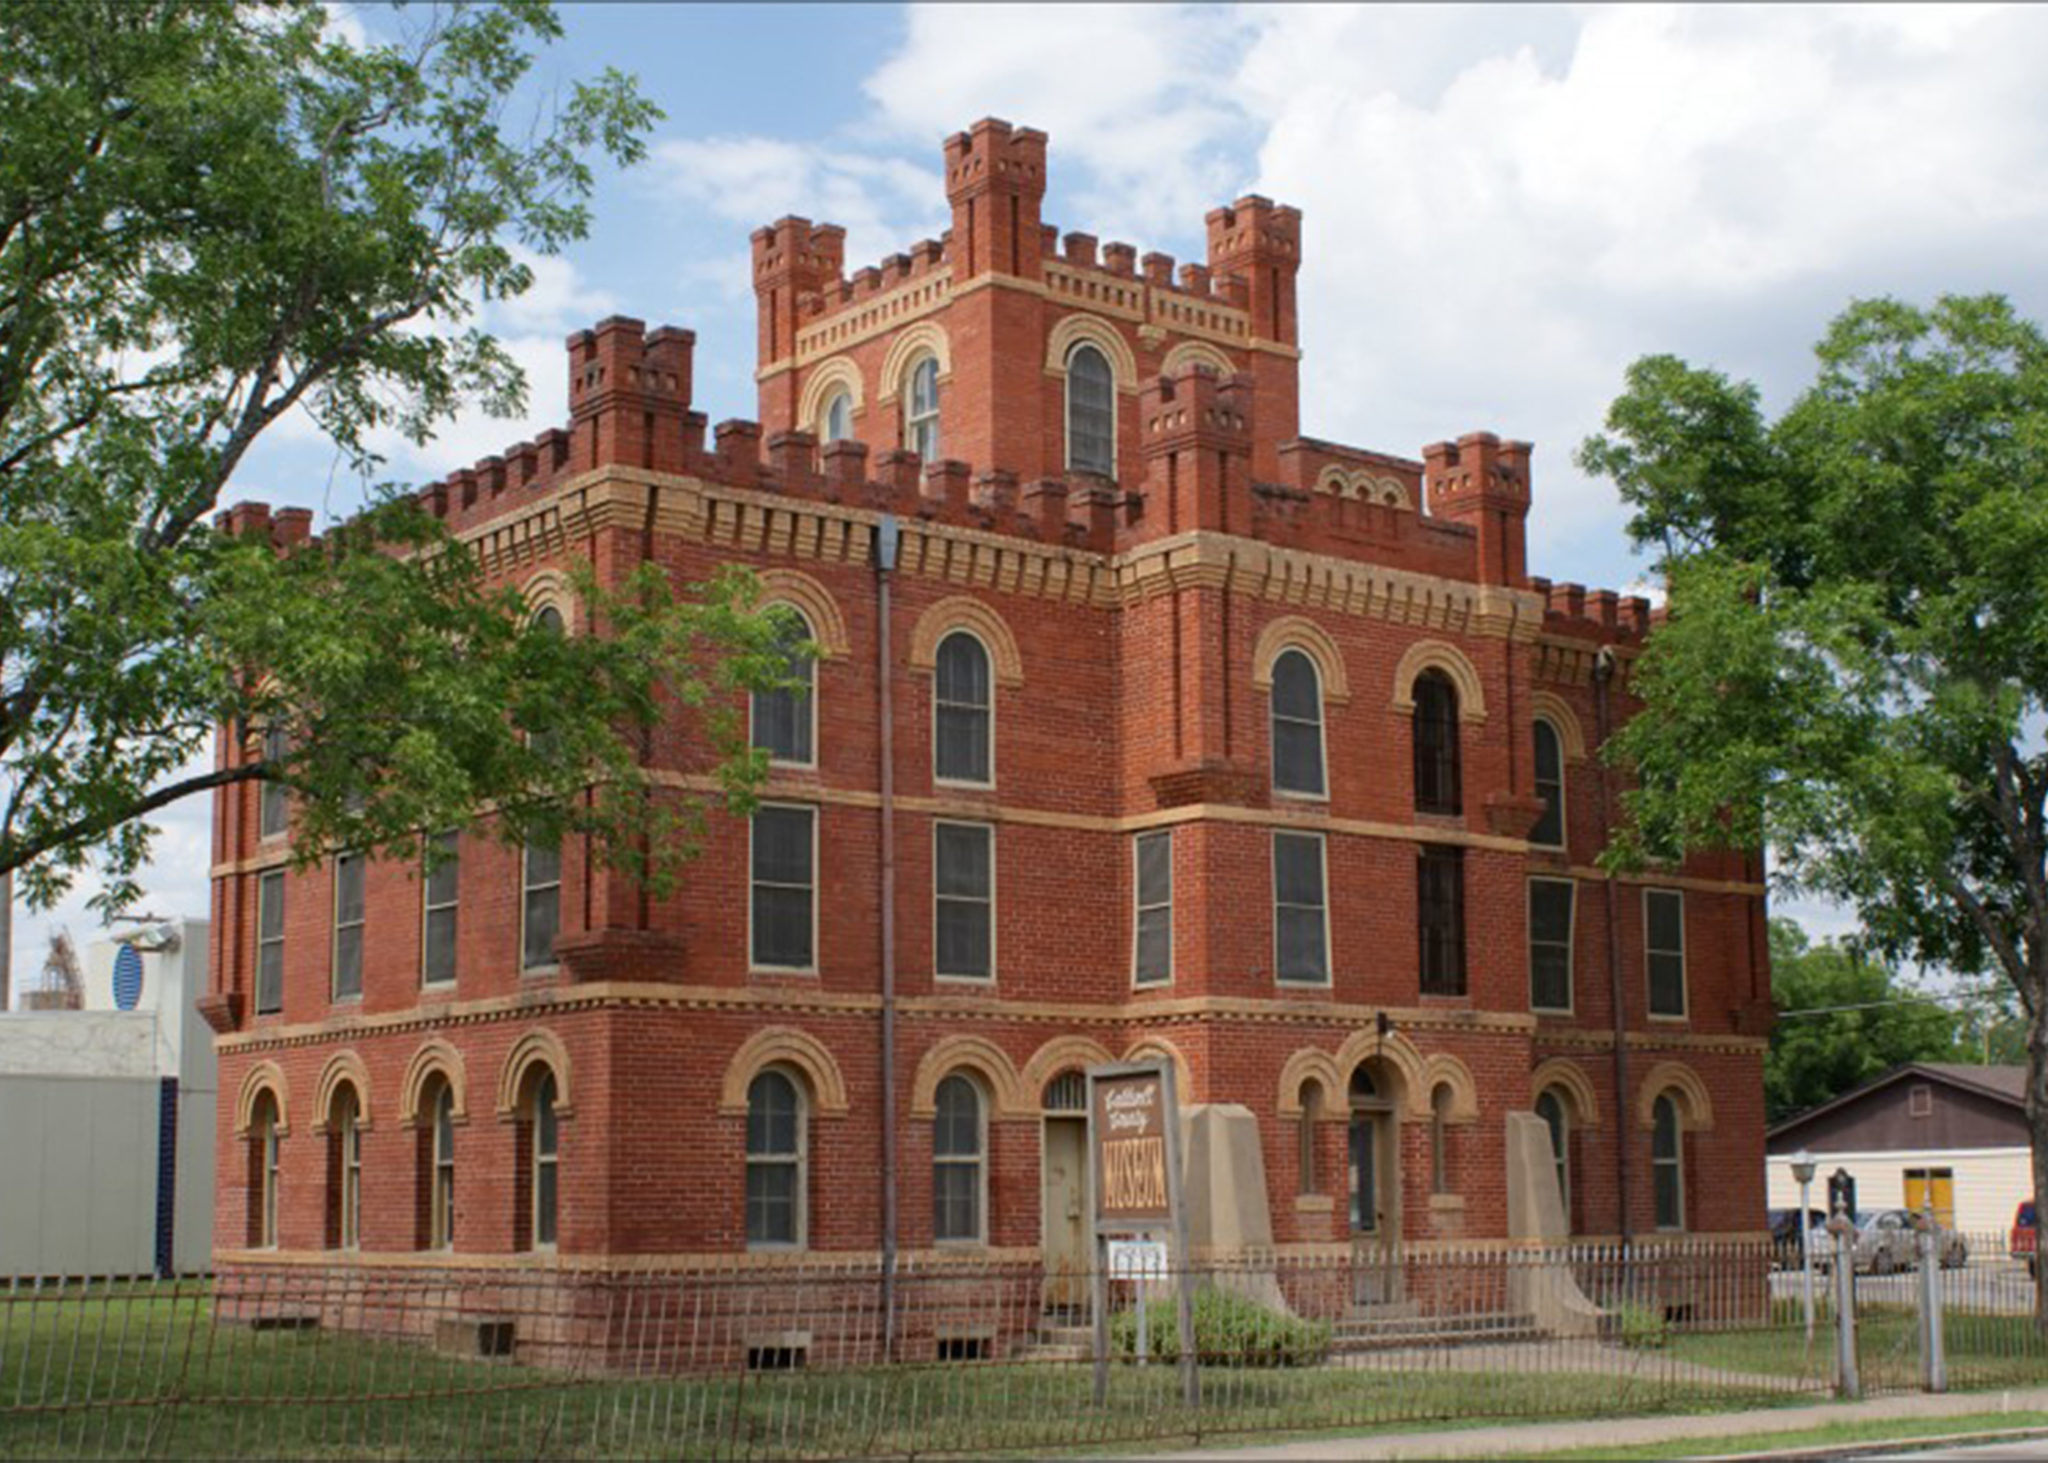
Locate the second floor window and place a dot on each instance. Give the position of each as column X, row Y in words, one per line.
column 541, row 905
column 962, row 711
column 921, row 409
column 1550, row 944
column 348, row 926
column 784, row 887
column 783, row 720
column 437, row 937
column 1301, row 942
column 1440, row 919
column 1297, row 725
column 273, row 803
column 963, row 890
column 1091, row 413
column 1549, row 829
column 1437, row 787
column 1664, row 950
column 270, row 942
column 1153, row 958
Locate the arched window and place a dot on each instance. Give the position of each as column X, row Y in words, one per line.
column 963, row 711
column 1091, row 412
column 1440, row 1099
column 345, row 1171
column 437, row 1164
column 784, row 720
column 1550, row 1107
column 1667, row 1163
column 956, row 1161
column 546, row 1142
column 1297, row 725
column 1436, row 744
column 837, row 423
column 263, row 1171
column 273, row 803
column 921, row 409
column 775, row 1161
column 540, row 876
column 1549, row 829
column 1311, row 1112
column 548, row 619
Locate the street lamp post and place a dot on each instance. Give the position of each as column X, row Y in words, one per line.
column 1803, row 1168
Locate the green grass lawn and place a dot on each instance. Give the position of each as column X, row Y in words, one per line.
column 1982, row 1350
column 1840, row 1434
column 151, row 1374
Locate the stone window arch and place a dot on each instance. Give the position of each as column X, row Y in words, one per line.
column 1199, row 353
column 925, row 338
column 1426, row 655
column 1298, row 632
column 964, row 612
column 1072, row 331
column 434, row 1056
column 1010, row 1093
column 795, row 1050
column 549, row 590
column 836, row 381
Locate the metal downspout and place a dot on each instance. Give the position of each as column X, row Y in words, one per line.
column 886, row 538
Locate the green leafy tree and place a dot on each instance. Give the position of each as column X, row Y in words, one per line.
column 212, row 214
column 1866, row 1021
column 1855, row 669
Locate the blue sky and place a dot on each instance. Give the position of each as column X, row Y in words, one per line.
column 1503, row 206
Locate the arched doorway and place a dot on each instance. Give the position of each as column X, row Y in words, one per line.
column 1065, row 1186
column 1375, row 1183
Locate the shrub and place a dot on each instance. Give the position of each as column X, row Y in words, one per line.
column 1228, row 1328
column 1643, row 1326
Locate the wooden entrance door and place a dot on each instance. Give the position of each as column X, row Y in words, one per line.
column 1375, row 1191
column 1066, row 1213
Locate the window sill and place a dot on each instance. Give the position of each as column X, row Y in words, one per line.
column 775, row 1247
column 969, row 982
column 1314, row 1204
column 800, row 972
column 957, row 784
column 1561, row 1013
column 1315, row 801
column 437, row 987
column 1286, row 983
column 1140, row 986
column 1677, row 1020
column 527, row 971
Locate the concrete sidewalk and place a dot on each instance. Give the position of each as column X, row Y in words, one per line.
column 1628, row 1432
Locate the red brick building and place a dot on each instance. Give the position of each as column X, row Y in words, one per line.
column 1203, row 738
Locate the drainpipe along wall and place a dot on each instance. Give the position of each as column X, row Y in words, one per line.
column 886, row 535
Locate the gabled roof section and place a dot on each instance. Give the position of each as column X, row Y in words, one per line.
column 2001, row 1084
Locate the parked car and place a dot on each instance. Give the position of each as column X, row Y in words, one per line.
column 1786, row 1232
column 1885, row 1242
column 1954, row 1251
column 2026, row 1236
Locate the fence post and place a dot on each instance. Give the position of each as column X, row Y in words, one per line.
column 1933, row 1361
column 1847, row 1383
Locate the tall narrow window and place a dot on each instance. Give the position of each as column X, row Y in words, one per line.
column 1311, row 1114
column 963, row 889
column 1550, row 1107
column 921, row 413
column 345, row 1150
column 1440, row 1139
column 962, row 711
column 270, row 942
column 1664, row 950
column 1091, row 412
column 1549, row 829
column 1436, row 745
column 1297, row 725
column 541, row 905
column 784, row 886
column 783, row 720
column 441, row 1199
column 837, row 424
column 1667, row 1163
column 775, row 1161
column 273, row 803
column 1153, row 941
column 348, row 926
column 443, row 886
column 263, row 1171
column 1300, row 925
column 546, row 1148
column 1440, row 919
column 956, row 1161
column 1550, row 944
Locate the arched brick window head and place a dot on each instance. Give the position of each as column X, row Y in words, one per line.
column 1297, row 725
column 1437, row 774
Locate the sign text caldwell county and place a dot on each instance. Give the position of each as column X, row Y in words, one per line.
column 1130, row 1129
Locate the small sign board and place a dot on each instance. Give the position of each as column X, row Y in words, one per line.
column 1131, row 1114
column 1137, row 1259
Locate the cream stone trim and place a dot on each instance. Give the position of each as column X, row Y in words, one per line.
column 1006, row 1092
column 550, row 589
column 1297, row 632
column 1199, row 353
column 1055, row 1057
column 1672, row 881
column 963, row 612
column 1426, row 655
column 1073, row 330
column 1397, row 1051
column 827, row 378
column 856, row 1263
column 784, row 1046
column 926, row 337
column 538, row 1047
column 1151, row 1046
column 344, row 1066
column 1361, row 484
column 1312, row 1064
column 799, row 590
column 261, row 1078
column 1443, row 1069
column 1569, row 1078
column 853, row 323
column 1553, row 708
column 1680, row 1080
column 434, row 1055
column 1654, row 1041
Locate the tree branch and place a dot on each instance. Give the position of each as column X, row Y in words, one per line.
column 16, row 855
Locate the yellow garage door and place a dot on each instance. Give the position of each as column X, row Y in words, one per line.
column 1942, row 1184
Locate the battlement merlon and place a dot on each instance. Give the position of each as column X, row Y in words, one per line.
column 1483, row 481
column 796, row 264
column 995, row 181
column 629, row 394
